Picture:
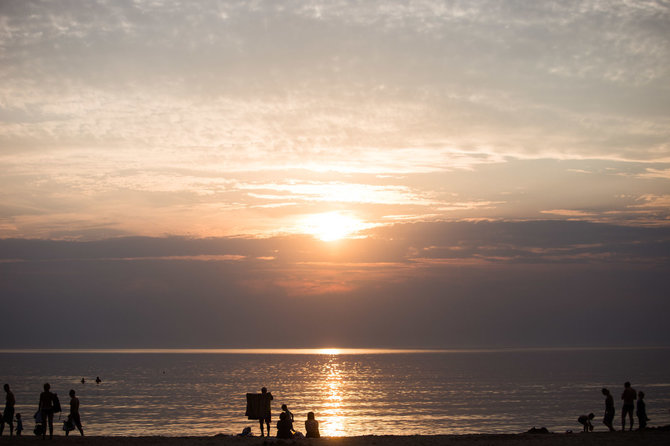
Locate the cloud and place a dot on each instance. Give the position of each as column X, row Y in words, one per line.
column 653, row 201
column 411, row 285
column 228, row 118
column 656, row 173
column 569, row 213
column 325, row 79
column 531, row 242
column 79, row 196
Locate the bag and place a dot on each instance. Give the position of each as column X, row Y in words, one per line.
column 56, row 403
column 38, row 417
column 68, row 424
column 39, row 429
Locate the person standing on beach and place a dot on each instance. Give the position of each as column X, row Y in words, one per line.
column 19, row 425
column 266, row 409
column 75, row 418
column 46, row 408
column 641, row 411
column 608, row 419
column 8, row 413
column 628, row 396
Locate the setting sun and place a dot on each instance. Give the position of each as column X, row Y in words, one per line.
column 331, row 226
column 329, row 351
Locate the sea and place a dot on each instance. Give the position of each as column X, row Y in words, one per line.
column 351, row 392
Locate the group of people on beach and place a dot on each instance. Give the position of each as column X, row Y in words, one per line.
column 48, row 405
column 285, row 427
column 629, row 397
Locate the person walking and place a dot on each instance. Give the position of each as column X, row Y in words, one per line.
column 75, row 418
column 628, row 396
column 608, row 419
column 8, row 413
column 46, row 408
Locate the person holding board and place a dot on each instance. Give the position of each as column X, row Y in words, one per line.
column 259, row 407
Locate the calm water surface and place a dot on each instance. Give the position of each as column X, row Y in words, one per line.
column 194, row 393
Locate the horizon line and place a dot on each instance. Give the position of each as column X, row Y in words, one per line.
column 315, row 351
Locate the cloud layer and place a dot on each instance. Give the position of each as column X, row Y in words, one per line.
column 414, row 285
column 117, row 111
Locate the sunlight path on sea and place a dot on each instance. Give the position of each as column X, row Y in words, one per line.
column 333, row 419
column 178, row 394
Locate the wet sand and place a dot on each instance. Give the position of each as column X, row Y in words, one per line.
column 650, row 437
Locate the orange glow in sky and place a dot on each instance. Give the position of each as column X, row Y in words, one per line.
column 363, row 173
column 331, row 226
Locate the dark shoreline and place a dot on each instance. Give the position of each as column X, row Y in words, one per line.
column 651, row 437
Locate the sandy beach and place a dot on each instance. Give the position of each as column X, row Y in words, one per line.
column 649, row 437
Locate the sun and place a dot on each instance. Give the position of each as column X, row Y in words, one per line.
column 330, row 226
column 329, row 351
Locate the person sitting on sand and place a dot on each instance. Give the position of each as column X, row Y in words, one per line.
column 641, row 411
column 284, row 427
column 284, row 408
column 585, row 420
column 628, row 396
column 608, row 419
column 311, row 426
column 246, row 432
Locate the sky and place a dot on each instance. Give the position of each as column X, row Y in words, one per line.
column 334, row 173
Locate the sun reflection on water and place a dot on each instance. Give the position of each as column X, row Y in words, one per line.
column 332, row 413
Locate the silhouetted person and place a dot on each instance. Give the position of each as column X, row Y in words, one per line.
column 641, row 411
column 98, row 380
column 46, row 408
column 628, row 396
column 266, row 409
column 83, row 381
column 8, row 413
column 585, row 420
column 311, row 426
column 74, row 413
column 608, row 419
column 284, row 426
column 246, row 432
column 284, row 408
column 19, row 425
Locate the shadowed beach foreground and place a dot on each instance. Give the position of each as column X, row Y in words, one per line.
column 650, row 437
